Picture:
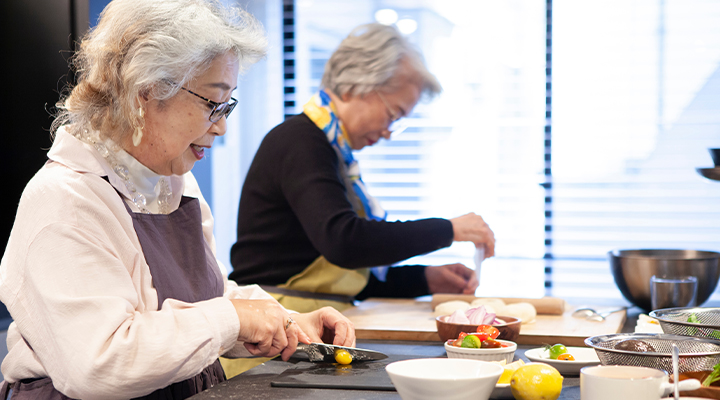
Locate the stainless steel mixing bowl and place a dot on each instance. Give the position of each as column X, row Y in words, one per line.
column 632, row 270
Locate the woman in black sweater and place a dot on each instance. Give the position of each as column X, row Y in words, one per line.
column 308, row 230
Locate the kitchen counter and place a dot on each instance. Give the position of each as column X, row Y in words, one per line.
column 255, row 383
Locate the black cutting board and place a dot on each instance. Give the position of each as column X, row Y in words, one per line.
column 362, row 375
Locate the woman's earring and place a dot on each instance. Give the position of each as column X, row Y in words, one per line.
column 138, row 134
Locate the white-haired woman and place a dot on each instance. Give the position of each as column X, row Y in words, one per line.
column 110, row 273
column 307, row 228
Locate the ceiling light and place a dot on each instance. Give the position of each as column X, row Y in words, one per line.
column 386, row 16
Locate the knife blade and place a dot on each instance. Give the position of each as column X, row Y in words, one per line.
column 318, row 352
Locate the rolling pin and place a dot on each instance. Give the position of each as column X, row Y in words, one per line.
column 545, row 305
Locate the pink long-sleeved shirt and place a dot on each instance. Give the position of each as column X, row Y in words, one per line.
column 76, row 283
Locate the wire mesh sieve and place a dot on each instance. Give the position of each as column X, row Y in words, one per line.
column 696, row 354
column 675, row 321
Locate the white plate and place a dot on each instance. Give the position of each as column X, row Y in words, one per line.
column 584, row 356
column 501, row 391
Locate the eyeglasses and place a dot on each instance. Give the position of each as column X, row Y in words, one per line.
column 393, row 117
column 396, row 125
column 219, row 110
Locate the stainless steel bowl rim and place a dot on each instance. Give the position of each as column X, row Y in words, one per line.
column 590, row 342
column 658, row 315
column 706, row 254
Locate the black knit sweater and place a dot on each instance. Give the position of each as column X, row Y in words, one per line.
column 294, row 207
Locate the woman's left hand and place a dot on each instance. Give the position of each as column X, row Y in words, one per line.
column 327, row 325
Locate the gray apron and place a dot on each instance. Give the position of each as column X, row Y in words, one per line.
column 183, row 268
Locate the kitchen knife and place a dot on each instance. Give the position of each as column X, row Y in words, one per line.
column 318, row 352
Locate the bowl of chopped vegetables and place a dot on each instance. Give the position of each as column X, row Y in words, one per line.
column 509, row 327
column 500, row 349
column 481, row 345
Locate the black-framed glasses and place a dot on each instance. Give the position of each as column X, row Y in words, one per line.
column 219, row 110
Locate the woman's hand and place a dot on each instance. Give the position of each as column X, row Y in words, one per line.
column 262, row 328
column 327, row 325
column 451, row 278
column 472, row 228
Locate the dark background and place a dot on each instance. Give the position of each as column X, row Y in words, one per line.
column 38, row 37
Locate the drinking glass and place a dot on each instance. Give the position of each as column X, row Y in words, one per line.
column 669, row 292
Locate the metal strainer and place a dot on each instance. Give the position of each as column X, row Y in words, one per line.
column 696, row 354
column 675, row 321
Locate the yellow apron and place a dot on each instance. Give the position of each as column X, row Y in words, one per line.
column 323, row 277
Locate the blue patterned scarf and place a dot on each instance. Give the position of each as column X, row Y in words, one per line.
column 321, row 111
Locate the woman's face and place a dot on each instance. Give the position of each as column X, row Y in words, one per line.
column 178, row 130
column 367, row 118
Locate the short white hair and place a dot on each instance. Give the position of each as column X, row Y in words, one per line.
column 142, row 47
column 371, row 58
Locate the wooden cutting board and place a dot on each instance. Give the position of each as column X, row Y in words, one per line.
column 413, row 320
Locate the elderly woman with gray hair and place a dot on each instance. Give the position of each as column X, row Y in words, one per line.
column 110, row 272
column 308, row 230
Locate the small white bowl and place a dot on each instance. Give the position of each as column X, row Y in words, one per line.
column 496, row 354
column 444, row 378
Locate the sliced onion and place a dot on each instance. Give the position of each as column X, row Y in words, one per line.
column 458, row 317
column 480, row 316
column 476, row 316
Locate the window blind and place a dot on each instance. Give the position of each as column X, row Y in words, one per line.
column 636, row 104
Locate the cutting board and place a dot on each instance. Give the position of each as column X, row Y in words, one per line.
column 367, row 375
column 412, row 319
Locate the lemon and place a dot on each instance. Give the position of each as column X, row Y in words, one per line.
column 536, row 381
column 509, row 370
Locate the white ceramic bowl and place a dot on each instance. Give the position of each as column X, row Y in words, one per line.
column 444, row 378
column 497, row 354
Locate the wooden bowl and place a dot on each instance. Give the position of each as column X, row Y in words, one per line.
column 510, row 330
column 711, row 392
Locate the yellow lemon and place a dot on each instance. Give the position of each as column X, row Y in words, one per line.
column 536, row 381
column 509, row 370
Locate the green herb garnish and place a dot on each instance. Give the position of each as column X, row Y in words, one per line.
column 713, row 377
column 693, row 318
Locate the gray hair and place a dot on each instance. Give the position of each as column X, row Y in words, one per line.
column 372, row 57
column 150, row 47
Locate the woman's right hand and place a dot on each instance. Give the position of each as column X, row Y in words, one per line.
column 262, row 328
column 472, row 228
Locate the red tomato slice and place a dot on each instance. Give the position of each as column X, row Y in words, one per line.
column 459, row 340
column 492, row 331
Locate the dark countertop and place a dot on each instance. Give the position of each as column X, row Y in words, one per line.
column 255, row 383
